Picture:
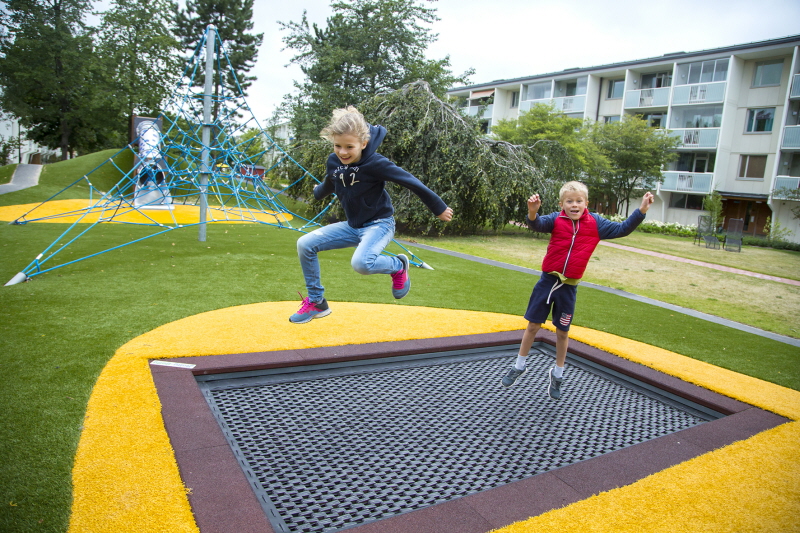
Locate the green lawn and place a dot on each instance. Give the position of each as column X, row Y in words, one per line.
column 58, row 331
column 760, row 303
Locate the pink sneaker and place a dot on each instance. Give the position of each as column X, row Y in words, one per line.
column 401, row 283
column 309, row 310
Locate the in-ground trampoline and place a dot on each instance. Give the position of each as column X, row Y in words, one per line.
column 421, row 436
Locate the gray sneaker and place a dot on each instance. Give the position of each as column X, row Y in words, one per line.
column 555, row 386
column 512, row 376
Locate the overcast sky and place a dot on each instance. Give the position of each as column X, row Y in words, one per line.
column 505, row 39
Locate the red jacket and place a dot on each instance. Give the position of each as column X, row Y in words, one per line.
column 571, row 245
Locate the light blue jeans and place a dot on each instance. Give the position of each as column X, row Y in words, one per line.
column 368, row 241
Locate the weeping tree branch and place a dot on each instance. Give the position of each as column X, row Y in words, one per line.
column 486, row 182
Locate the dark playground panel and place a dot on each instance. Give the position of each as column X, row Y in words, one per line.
column 420, row 435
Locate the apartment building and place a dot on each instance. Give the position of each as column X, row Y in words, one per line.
column 736, row 111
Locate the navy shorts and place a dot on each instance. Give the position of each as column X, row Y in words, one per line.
column 562, row 302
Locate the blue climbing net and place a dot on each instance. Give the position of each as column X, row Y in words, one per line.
column 234, row 167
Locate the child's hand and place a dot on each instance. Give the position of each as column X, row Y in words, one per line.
column 446, row 215
column 534, row 203
column 646, row 201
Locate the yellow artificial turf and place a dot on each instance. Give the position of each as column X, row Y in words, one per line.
column 69, row 211
column 125, row 477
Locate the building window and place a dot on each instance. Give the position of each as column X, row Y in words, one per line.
column 609, row 120
column 538, row 91
column 515, row 99
column 703, row 72
column 697, row 162
column 760, row 120
column 571, row 88
column 615, row 88
column 657, row 80
column 768, row 73
column 696, row 117
column 654, row 120
column 681, row 200
column 752, row 167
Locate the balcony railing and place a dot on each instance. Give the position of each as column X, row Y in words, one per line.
column 690, row 182
column 791, row 137
column 475, row 110
column 567, row 104
column 571, row 104
column 647, row 98
column 699, row 93
column 783, row 184
column 697, row 137
column 795, row 86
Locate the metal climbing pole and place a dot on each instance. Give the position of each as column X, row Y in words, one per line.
column 205, row 170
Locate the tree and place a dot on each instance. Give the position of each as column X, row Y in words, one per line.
column 141, row 55
column 50, row 77
column 233, row 20
column 713, row 204
column 636, row 152
column 366, row 47
column 560, row 144
column 8, row 149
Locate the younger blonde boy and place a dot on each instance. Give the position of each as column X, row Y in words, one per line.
column 575, row 234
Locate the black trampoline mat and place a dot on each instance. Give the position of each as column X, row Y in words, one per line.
column 331, row 446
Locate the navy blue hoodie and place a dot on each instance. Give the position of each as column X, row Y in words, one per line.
column 361, row 187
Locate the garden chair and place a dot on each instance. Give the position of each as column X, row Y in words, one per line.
column 733, row 239
column 705, row 232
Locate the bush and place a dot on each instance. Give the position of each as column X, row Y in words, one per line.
column 663, row 228
column 769, row 243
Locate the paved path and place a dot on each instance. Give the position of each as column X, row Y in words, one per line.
column 701, row 263
column 690, row 312
column 24, row 176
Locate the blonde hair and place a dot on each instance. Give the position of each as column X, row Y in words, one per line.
column 346, row 121
column 573, row 186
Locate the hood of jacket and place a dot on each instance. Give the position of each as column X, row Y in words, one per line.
column 376, row 136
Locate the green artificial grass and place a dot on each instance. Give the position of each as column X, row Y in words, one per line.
column 6, row 173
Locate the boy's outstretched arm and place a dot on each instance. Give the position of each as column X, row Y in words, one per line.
column 614, row 230
column 647, row 200
column 534, row 203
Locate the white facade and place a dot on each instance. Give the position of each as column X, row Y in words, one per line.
column 29, row 151
column 736, row 110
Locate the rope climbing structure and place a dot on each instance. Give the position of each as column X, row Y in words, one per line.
column 204, row 159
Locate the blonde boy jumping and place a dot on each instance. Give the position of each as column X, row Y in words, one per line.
column 574, row 235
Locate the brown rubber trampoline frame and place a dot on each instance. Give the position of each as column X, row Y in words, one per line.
column 223, row 501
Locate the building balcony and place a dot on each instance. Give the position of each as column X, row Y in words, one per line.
column 706, row 138
column 647, row 98
column 475, row 110
column 795, row 92
column 688, row 182
column 783, row 186
column 567, row 104
column 791, row 137
column 571, row 104
column 699, row 93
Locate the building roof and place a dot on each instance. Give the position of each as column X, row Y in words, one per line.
column 670, row 56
